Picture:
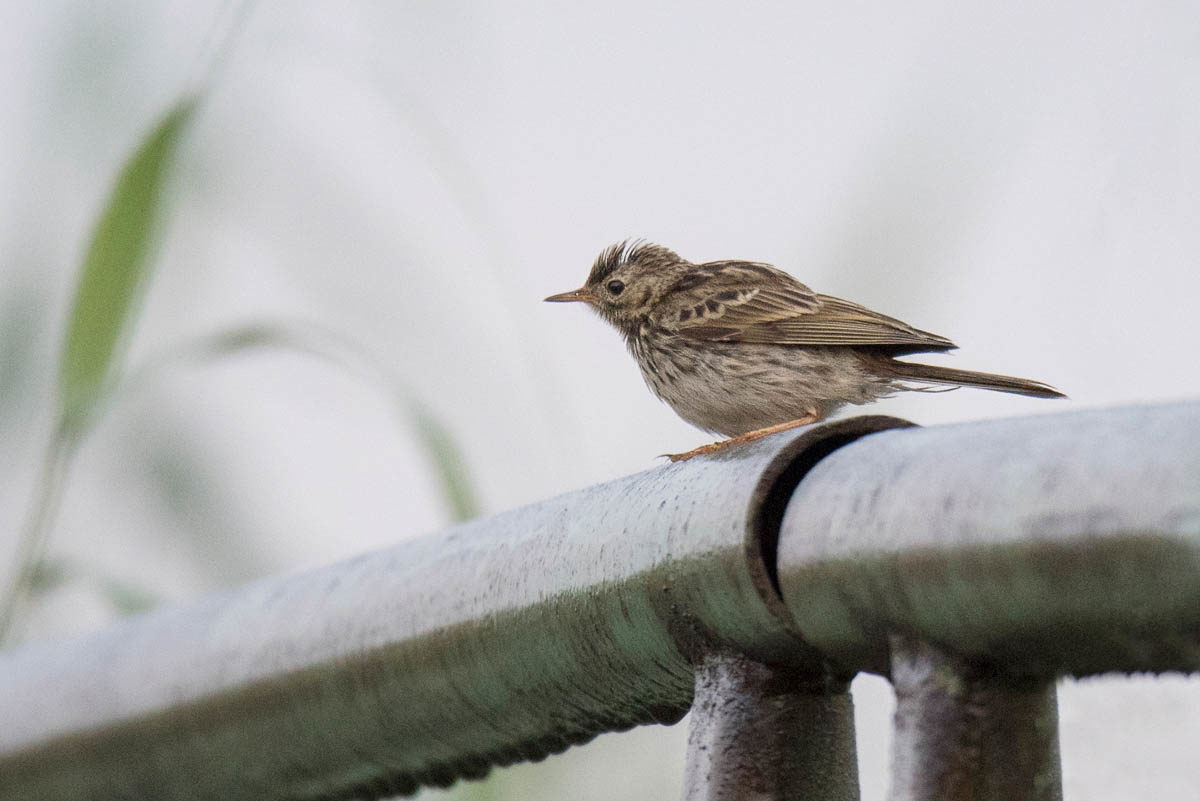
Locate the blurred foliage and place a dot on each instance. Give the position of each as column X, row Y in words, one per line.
column 122, row 597
column 448, row 463
column 311, row 339
column 115, row 269
column 116, row 265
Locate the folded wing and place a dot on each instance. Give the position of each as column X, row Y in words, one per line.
column 752, row 302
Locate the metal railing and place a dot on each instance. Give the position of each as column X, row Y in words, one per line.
column 972, row 564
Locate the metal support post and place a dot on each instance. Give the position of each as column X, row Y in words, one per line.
column 964, row 733
column 761, row 733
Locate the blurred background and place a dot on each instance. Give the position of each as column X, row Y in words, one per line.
column 414, row 177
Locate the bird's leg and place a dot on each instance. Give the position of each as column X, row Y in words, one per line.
column 749, row 436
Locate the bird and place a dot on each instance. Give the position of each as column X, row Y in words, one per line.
column 742, row 349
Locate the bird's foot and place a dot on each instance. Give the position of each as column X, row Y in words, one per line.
column 742, row 439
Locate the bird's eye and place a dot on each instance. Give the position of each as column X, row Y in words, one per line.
column 615, row 287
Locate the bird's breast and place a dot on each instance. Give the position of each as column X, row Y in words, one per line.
column 677, row 370
column 732, row 388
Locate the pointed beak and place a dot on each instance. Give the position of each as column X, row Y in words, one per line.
column 577, row 295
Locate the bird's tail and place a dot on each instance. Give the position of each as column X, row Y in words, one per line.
column 970, row 378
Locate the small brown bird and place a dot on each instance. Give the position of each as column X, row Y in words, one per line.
column 745, row 350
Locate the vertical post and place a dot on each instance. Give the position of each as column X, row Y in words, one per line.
column 768, row 734
column 964, row 735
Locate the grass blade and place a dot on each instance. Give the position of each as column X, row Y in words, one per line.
column 448, row 464
column 115, row 269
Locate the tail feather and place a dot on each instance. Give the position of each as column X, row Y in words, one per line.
column 970, row 378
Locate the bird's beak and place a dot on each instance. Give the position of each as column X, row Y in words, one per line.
column 583, row 295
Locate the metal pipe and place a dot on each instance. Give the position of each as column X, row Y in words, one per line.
column 1050, row 545
column 1037, row 546
column 967, row 733
column 503, row 640
column 769, row 733
column 1025, row 549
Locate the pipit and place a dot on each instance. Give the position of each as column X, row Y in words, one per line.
column 744, row 350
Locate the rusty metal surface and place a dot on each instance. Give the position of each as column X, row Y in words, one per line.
column 964, row 733
column 762, row 733
column 1065, row 543
column 503, row 640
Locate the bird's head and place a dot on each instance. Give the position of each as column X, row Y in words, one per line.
column 627, row 282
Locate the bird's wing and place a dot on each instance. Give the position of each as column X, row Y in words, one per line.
column 751, row 302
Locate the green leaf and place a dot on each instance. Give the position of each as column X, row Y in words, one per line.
column 115, row 269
